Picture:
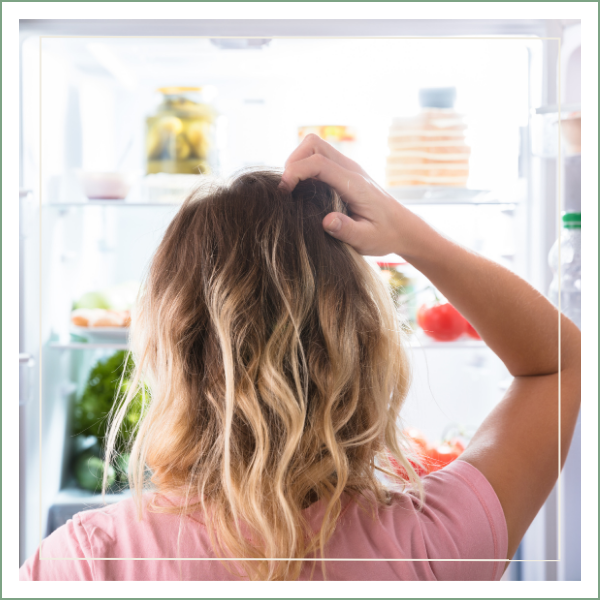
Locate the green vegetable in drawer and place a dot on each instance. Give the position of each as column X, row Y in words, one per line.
column 93, row 406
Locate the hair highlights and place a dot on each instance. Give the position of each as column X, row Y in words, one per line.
column 276, row 369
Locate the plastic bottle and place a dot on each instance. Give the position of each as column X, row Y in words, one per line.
column 570, row 263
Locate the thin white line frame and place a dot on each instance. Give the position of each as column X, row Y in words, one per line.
column 324, row 37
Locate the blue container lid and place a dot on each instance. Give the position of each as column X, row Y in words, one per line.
column 437, row 97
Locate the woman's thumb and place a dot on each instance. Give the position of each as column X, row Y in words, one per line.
column 339, row 226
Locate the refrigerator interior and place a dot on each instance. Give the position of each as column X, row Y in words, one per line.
column 96, row 94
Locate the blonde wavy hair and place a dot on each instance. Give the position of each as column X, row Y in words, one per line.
column 276, row 370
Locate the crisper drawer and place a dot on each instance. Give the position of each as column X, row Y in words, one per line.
column 71, row 501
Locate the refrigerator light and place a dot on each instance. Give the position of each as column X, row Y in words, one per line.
column 240, row 43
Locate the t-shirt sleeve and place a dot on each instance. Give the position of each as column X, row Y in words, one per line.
column 64, row 556
column 463, row 519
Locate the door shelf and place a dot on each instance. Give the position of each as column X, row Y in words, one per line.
column 418, row 342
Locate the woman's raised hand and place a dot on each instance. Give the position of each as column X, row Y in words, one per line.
column 376, row 220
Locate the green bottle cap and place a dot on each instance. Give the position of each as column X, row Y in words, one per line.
column 571, row 220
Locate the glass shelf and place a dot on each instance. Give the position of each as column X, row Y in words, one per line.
column 446, row 195
column 422, row 342
column 89, row 345
column 417, row 341
column 406, row 195
column 111, row 203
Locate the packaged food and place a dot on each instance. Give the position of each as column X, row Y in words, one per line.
column 180, row 134
column 100, row 317
column 429, row 149
column 571, row 130
column 341, row 137
column 108, row 308
column 402, row 288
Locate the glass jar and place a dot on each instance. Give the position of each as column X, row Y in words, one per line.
column 180, row 134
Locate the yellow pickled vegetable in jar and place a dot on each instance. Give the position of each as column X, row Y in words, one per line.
column 180, row 135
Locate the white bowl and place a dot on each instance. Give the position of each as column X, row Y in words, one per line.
column 106, row 186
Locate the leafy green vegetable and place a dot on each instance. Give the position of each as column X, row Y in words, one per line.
column 89, row 470
column 121, row 466
column 92, row 407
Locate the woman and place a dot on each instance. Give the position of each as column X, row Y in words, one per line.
column 276, row 371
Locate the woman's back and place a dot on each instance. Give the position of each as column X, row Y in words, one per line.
column 461, row 520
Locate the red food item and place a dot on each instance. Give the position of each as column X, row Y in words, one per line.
column 442, row 322
column 470, row 331
column 443, row 455
column 417, row 440
column 431, row 458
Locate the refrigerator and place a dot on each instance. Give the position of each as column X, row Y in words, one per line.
column 88, row 96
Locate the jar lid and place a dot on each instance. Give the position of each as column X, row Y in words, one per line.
column 174, row 90
column 571, row 220
column 437, row 97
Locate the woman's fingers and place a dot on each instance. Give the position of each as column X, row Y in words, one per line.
column 348, row 184
column 370, row 229
column 357, row 233
column 313, row 144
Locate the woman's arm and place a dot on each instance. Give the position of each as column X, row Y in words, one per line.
column 517, row 446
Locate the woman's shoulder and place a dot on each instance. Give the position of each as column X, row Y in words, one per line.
column 112, row 513
column 115, row 530
column 127, row 527
column 461, row 519
column 451, row 494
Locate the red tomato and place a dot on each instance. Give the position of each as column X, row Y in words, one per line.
column 470, row 331
column 443, row 455
column 430, row 458
column 434, row 460
column 442, row 322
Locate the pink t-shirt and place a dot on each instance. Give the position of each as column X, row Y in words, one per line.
column 462, row 519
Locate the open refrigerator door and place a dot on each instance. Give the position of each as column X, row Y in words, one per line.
column 443, row 124
column 555, row 129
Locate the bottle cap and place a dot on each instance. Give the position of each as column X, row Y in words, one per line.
column 437, row 97
column 571, row 220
